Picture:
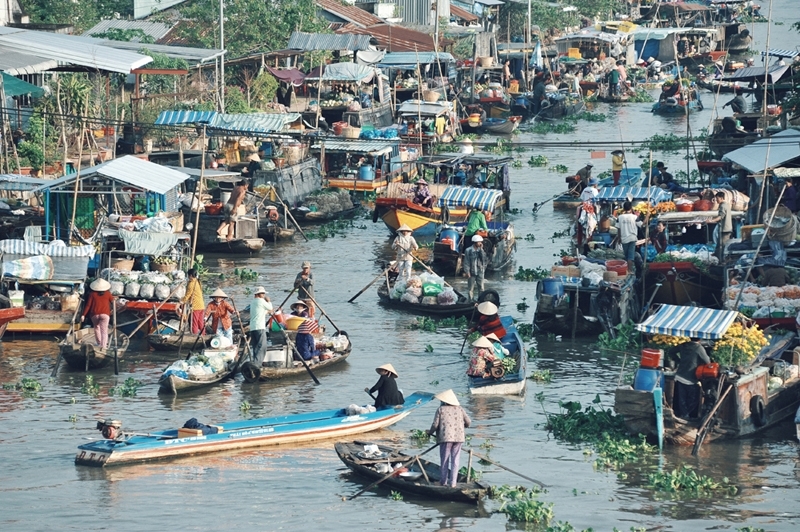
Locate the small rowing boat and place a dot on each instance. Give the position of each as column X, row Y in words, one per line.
column 279, row 362
column 412, row 480
column 81, row 352
column 502, row 382
column 121, row 448
column 462, row 307
column 213, row 365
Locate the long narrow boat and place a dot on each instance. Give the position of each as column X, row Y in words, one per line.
column 412, row 481
column 174, row 383
column 512, row 383
column 279, row 430
column 462, row 307
column 279, row 362
column 175, row 341
column 7, row 315
column 502, row 126
column 754, row 403
column 80, row 349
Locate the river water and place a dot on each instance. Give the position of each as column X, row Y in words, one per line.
column 291, row 488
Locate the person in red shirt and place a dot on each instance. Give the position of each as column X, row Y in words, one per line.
column 220, row 312
column 98, row 308
column 488, row 321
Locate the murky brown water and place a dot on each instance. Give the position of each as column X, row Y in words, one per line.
column 293, row 488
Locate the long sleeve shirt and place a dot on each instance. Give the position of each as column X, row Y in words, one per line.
column 305, row 287
column 691, row 354
column 476, row 222
column 628, row 228
column 194, row 294
column 220, row 313
column 98, row 303
column 449, row 423
column 475, row 261
column 388, row 394
column 404, row 245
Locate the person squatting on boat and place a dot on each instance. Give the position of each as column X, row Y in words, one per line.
column 489, row 321
column 388, row 393
column 484, row 356
column 304, row 283
column 260, row 308
column 98, row 309
column 220, row 312
column 448, row 424
column 687, row 389
column 194, row 296
column 305, row 342
column 475, row 261
column 738, row 103
column 422, row 195
column 404, row 245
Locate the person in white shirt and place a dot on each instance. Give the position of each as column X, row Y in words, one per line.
column 590, row 192
column 260, row 308
column 404, row 245
column 628, row 228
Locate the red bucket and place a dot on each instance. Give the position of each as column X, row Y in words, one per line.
column 618, row 266
column 338, row 127
column 651, row 358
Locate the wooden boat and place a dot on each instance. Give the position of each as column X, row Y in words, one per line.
column 555, row 109
column 176, row 341
column 7, row 315
column 463, row 307
column 502, row 126
column 752, row 404
column 80, row 350
column 630, row 177
column 245, row 239
column 474, row 122
column 354, row 457
column 672, row 106
column 500, row 245
column 279, row 362
column 727, row 87
column 683, row 283
column 304, row 215
column 243, row 434
column 512, row 383
column 173, row 383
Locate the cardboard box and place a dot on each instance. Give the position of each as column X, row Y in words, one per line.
column 189, row 433
column 573, row 271
column 560, row 271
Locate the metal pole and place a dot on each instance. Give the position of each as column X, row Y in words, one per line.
column 198, row 193
column 222, row 57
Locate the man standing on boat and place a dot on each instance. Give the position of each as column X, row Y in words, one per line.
column 687, row 390
column 617, row 164
column 628, row 228
column 304, row 283
column 260, row 308
column 585, row 174
column 724, row 223
column 232, row 206
column 475, row 261
column 194, row 295
column 590, row 192
column 404, row 245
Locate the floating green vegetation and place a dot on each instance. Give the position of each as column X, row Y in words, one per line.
column 528, row 274
column 640, row 95
column 90, row 387
column 395, row 495
column 668, row 143
column 427, row 324
column 474, row 335
column 516, row 164
column 429, row 348
column 588, row 116
column 202, row 270
column 73, row 418
column 420, row 436
column 538, row 160
column 614, row 452
column 522, row 505
column 560, row 234
column 26, row 385
column 474, row 474
column 128, row 388
column 625, row 339
column 500, row 146
column 514, row 211
column 525, row 331
column 245, row 274
column 530, row 237
column 244, row 406
column 334, row 228
column 543, row 128
column 576, row 424
column 685, row 480
column 542, row 375
column 533, row 353
column 560, row 168
column 750, row 529
column 523, row 305
column 445, row 148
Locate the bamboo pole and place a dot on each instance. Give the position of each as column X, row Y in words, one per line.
column 199, row 193
column 81, row 126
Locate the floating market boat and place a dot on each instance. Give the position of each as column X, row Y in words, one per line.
column 745, row 400
column 420, row 478
column 80, row 350
column 502, row 126
column 560, row 105
column 279, row 362
column 462, row 306
column 177, row 380
column 689, row 103
column 500, row 244
column 173, row 341
column 504, row 382
column 629, row 177
column 132, row 448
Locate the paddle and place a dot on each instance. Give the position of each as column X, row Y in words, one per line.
column 116, row 343
column 71, row 329
column 704, row 428
column 323, row 312
column 464, row 343
column 391, row 474
column 509, row 470
column 289, row 214
column 294, row 348
column 146, row 318
column 241, row 325
column 391, row 265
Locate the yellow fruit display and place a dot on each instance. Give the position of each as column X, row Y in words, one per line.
column 664, row 341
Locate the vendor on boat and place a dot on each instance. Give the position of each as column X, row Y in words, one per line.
column 772, row 276
column 687, row 388
column 474, row 264
column 232, row 206
column 585, row 174
column 499, row 351
column 304, row 284
column 422, row 196
column 590, row 192
column 670, row 89
column 448, row 424
column 98, row 309
column 488, row 321
column 194, row 295
column 628, row 231
column 738, row 103
column 482, row 359
column 617, row 164
column 659, row 237
column 299, row 308
column 220, row 312
column 476, row 224
column 260, row 308
column 253, row 165
column 305, row 342
column 723, row 218
column 404, row 245
column 388, row 393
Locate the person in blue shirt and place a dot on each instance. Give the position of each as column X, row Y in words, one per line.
column 305, row 342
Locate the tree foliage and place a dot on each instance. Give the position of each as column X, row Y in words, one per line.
column 83, row 14
column 116, row 34
column 548, row 16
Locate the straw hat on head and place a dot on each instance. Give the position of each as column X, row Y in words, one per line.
column 305, row 264
column 100, row 285
column 219, row 293
column 422, row 182
column 387, row 367
column 404, row 227
column 254, row 157
column 493, row 336
column 299, row 303
column 447, row 397
column 482, row 342
column 487, row 308
column 260, row 290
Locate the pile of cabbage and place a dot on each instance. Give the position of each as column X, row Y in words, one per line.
column 205, row 364
column 146, row 285
column 425, row 289
column 764, row 301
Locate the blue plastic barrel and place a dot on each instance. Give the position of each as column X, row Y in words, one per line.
column 266, row 147
column 648, row 379
column 452, row 235
column 366, row 172
column 552, row 287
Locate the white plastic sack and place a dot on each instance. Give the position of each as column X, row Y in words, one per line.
column 117, row 288
column 162, row 291
column 409, row 298
column 180, row 290
column 132, row 289
column 147, row 291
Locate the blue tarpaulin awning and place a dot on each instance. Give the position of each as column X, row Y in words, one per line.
column 174, row 118
column 475, row 198
column 621, row 193
column 245, row 123
column 694, row 322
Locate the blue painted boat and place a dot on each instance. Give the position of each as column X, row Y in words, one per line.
column 672, row 107
column 511, row 383
column 135, row 448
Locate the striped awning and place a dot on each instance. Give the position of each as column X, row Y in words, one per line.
column 174, row 118
column 621, row 193
column 694, row 322
column 774, row 52
column 253, row 123
column 23, row 247
column 474, row 198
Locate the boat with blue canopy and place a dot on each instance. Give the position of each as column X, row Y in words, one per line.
column 119, row 447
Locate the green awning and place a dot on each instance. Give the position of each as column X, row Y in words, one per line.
column 16, row 87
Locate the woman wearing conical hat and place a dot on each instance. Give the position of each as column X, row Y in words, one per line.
column 482, row 358
column 448, row 425
column 98, row 309
column 388, row 393
column 220, row 311
column 405, row 245
column 489, row 321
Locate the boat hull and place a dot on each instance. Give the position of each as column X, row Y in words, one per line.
column 80, row 354
column 461, row 308
column 510, row 383
column 173, row 384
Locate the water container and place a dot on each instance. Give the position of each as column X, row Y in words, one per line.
column 224, row 197
column 651, row 358
column 646, row 380
column 366, row 173
column 552, row 287
column 451, row 235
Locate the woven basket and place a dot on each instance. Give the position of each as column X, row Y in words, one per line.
column 486, row 62
column 125, row 265
column 431, row 96
column 165, row 268
column 351, row 132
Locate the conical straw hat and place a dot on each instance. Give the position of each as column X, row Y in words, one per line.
column 404, row 227
column 389, row 368
column 487, row 308
column 493, row 336
column 219, row 293
column 482, row 342
column 100, row 285
column 448, row 397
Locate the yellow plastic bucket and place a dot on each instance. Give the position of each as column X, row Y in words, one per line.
column 293, row 322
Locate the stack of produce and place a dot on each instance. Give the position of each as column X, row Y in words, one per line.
column 698, row 254
column 146, row 285
column 200, row 365
column 764, row 301
column 426, row 288
column 739, row 346
column 665, row 206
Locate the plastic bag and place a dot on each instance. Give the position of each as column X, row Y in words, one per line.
column 414, row 291
column 409, row 298
column 147, row 291
column 447, row 297
column 132, row 289
column 431, row 289
column 117, row 288
column 162, row 291
column 180, row 290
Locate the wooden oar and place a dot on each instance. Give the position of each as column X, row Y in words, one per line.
column 703, row 430
column 147, row 318
column 459, row 294
column 472, row 317
column 201, row 334
column 391, row 265
column 294, row 348
column 509, row 470
column 241, row 325
column 116, row 343
column 391, row 474
column 289, row 214
column 323, row 312
column 71, row 330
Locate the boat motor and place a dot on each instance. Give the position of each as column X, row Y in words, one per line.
column 111, row 429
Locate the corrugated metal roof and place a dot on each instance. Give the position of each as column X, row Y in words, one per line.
column 145, row 8
column 757, row 73
column 328, row 41
column 156, row 30
column 657, row 34
column 130, row 170
column 416, row 107
column 174, row 118
column 83, row 51
column 412, row 58
column 694, row 322
column 593, row 35
column 463, row 14
column 253, row 123
column 187, row 53
column 360, row 146
column 19, row 182
column 767, row 153
column 349, row 13
column 18, row 64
